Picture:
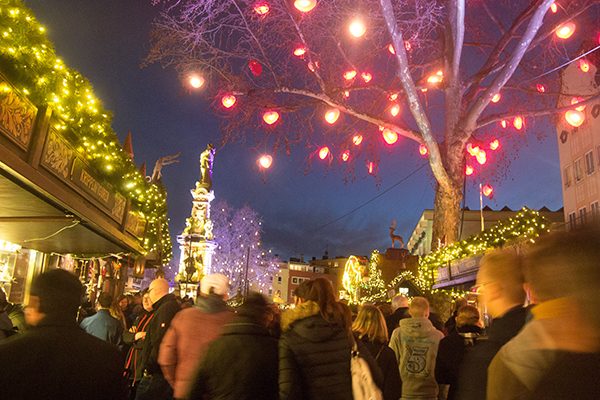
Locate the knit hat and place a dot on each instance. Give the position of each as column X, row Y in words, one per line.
column 218, row 282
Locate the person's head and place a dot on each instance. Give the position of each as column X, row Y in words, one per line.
column 214, row 284
column 467, row 315
column 159, row 274
column 565, row 264
column 419, row 307
column 137, row 298
column 104, row 300
column 386, row 309
column 55, row 292
column 320, row 291
column 146, row 302
column 399, row 301
column 158, row 289
column 256, row 307
column 370, row 322
column 300, row 292
column 123, row 302
column 458, row 303
column 501, row 279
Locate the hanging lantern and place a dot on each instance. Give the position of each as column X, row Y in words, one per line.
column 503, row 123
column 391, row 49
column 584, row 65
column 574, row 117
column 566, row 30
column 407, row 45
column 265, row 161
column 305, row 5
column 576, row 100
column 270, row 117
column 255, row 67
column 553, row 7
column 390, row 136
column 366, row 77
column 357, row 140
column 357, row 28
column 423, row 149
column 299, row 51
column 481, row 157
column 261, row 8
column 228, row 101
column 323, row 152
column 496, row 98
column 395, row 110
column 487, row 190
column 494, row 144
column 349, row 75
column 345, row 155
column 518, row 123
column 196, row 81
column 469, row 170
column 332, row 115
column 370, row 167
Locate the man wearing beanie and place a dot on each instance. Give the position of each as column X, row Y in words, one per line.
column 191, row 331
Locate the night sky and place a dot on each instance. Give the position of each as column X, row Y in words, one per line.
column 106, row 40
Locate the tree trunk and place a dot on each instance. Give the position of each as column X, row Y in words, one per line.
column 446, row 215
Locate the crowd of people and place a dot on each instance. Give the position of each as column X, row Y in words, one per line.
column 543, row 341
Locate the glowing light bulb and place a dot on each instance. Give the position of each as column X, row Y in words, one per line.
column 332, row 115
column 407, row 45
column 371, row 167
column 395, row 110
column 518, row 123
column 305, row 5
column 261, row 8
column 265, row 161
column 576, row 100
column 554, row 7
column 496, row 98
column 423, row 149
column 196, row 81
column 469, row 170
column 487, row 190
column 494, row 144
column 574, row 117
column 300, row 51
column 472, row 150
column 228, row 101
column 357, row 28
column 345, row 155
column 270, row 117
column 566, row 30
column 434, row 79
column 393, row 96
column 503, row 123
column 366, row 77
column 357, row 140
column 391, row 49
column 390, row 136
column 584, row 65
column 323, row 152
column 540, row 88
column 348, row 75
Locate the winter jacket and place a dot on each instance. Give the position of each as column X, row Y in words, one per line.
column 314, row 357
column 240, row 365
column 451, row 353
column 164, row 311
column 558, row 328
column 393, row 320
column 386, row 359
column 415, row 343
column 105, row 327
column 134, row 361
column 56, row 359
column 472, row 378
column 6, row 326
column 187, row 339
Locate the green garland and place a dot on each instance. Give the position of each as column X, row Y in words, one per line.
column 28, row 59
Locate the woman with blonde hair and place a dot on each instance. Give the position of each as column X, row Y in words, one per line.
column 371, row 330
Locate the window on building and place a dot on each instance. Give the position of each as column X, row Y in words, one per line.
column 572, row 220
column 336, row 264
column 595, row 210
column 583, row 215
column 578, row 170
column 278, row 279
column 590, row 168
column 294, row 281
column 567, row 176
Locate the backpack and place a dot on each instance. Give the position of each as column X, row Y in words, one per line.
column 363, row 386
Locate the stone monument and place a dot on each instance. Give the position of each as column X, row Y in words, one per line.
column 196, row 243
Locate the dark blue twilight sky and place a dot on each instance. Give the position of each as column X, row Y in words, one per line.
column 106, row 41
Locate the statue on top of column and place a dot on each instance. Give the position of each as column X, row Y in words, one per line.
column 206, row 164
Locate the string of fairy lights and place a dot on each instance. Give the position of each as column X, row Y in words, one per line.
column 28, row 60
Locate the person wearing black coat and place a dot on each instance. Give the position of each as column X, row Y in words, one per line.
column 243, row 363
column 56, row 359
column 400, row 307
column 315, row 347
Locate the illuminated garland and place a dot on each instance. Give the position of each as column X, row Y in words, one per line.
column 375, row 285
column 28, row 59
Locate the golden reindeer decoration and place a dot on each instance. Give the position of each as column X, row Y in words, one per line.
column 395, row 237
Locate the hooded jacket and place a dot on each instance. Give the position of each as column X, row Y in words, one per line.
column 314, row 357
column 187, row 339
column 415, row 344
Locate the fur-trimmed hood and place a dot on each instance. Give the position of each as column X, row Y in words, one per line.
column 306, row 321
column 301, row 311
